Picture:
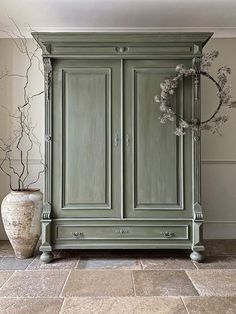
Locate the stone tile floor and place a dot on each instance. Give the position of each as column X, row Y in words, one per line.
column 139, row 282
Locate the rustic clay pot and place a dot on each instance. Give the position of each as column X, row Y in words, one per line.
column 21, row 214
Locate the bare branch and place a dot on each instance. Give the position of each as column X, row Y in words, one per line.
column 4, row 171
column 36, row 95
column 22, row 138
column 220, row 103
column 37, row 178
column 11, row 75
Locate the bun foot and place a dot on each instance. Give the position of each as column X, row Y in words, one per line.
column 46, row 257
column 197, row 256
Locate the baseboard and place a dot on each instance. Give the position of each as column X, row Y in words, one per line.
column 219, row 230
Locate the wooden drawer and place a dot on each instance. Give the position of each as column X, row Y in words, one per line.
column 167, row 232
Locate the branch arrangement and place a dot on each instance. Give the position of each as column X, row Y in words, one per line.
column 169, row 86
column 23, row 139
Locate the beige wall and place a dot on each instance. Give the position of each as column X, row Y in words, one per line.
column 218, row 153
column 10, row 97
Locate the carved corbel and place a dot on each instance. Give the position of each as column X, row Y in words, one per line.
column 197, row 212
column 46, row 247
column 197, row 228
column 48, row 137
column 47, row 208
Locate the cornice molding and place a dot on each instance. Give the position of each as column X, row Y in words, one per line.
column 219, row 32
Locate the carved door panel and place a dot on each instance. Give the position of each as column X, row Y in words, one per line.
column 86, row 138
column 157, row 168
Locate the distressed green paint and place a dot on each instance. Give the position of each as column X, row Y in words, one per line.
column 158, row 183
column 86, row 115
column 86, row 135
column 116, row 178
column 127, row 232
column 46, row 235
column 191, row 43
column 151, row 177
column 153, row 185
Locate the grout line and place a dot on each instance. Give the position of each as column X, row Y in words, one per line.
column 195, row 264
column 58, row 254
column 28, row 297
column 7, row 280
column 186, row 272
column 77, row 263
column 38, row 270
column 184, row 305
column 132, row 276
column 62, row 306
column 141, row 263
column 64, row 284
column 30, row 264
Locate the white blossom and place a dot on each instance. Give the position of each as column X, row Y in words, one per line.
column 206, row 127
column 179, row 132
column 162, row 120
column 163, row 107
column 180, row 68
column 183, row 124
column 224, row 94
column 222, row 75
column 220, row 119
column 224, row 70
column 157, row 98
column 169, row 85
column 207, row 59
column 232, row 104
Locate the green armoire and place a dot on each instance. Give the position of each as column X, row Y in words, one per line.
column 115, row 177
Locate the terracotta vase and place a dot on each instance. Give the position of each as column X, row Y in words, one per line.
column 21, row 214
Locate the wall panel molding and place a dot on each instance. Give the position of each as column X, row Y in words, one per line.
column 219, row 222
column 218, row 162
column 211, row 230
column 16, row 161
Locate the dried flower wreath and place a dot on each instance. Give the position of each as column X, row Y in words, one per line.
column 169, row 86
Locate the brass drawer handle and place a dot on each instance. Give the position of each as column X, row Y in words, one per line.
column 167, row 234
column 77, row 234
column 122, row 231
column 121, row 49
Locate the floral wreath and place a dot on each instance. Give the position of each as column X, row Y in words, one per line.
column 169, row 86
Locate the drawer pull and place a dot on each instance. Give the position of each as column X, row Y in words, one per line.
column 127, row 140
column 121, row 49
column 116, row 140
column 168, row 234
column 77, row 234
column 122, row 231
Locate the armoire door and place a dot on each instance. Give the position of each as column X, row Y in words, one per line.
column 157, row 164
column 86, row 138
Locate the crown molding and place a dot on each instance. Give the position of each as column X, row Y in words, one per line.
column 219, row 32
